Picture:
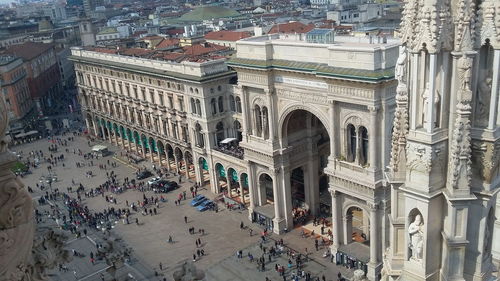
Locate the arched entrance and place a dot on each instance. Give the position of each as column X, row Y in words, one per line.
column 244, row 188
column 357, row 228
column 234, row 183
column 309, row 140
column 204, row 171
column 221, row 178
column 170, row 156
column 179, row 160
column 137, row 140
column 266, row 192
column 188, row 162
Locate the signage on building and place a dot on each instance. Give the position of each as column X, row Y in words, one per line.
column 300, row 82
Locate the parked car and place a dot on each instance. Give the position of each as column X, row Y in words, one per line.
column 153, row 180
column 205, row 205
column 198, row 200
column 144, row 174
column 164, row 186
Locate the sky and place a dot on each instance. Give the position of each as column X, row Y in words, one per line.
column 6, row 1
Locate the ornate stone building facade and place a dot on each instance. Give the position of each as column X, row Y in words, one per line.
column 316, row 132
column 173, row 114
column 444, row 168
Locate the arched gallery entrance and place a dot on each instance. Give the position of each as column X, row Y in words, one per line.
column 309, row 141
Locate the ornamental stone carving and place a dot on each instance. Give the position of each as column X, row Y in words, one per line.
column 461, row 154
column 433, row 30
column 419, row 157
column 486, row 160
column 489, row 23
column 465, row 23
column 400, row 124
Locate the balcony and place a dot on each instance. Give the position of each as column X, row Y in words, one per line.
column 232, row 150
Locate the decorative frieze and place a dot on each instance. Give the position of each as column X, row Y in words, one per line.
column 304, row 97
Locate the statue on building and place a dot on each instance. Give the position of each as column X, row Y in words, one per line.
column 483, row 101
column 400, row 71
column 416, row 232
column 465, row 73
column 425, row 97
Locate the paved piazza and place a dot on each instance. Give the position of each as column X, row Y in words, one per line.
column 222, row 239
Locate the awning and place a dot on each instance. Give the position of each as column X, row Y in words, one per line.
column 228, row 140
column 21, row 135
column 99, row 147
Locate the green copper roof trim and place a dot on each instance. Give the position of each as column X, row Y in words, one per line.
column 316, row 68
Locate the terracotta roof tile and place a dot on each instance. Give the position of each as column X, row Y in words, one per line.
column 226, row 35
column 165, row 43
column 29, row 50
column 202, row 49
column 137, row 52
column 291, row 27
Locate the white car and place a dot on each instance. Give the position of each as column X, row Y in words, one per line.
column 153, row 180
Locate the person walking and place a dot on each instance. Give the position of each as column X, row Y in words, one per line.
column 185, row 219
column 160, row 266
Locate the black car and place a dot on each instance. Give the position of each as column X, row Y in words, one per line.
column 165, row 186
column 144, row 174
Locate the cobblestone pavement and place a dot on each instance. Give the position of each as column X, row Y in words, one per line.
column 148, row 240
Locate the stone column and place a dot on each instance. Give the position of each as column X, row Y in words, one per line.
column 373, row 138
column 277, row 204
column 430, row 110
column 312, row 185
column 242, row 191
column 246, row 126
column 94, row 128
column 270, row 115
column 251, row 187
column 335, row 221
column 333, row 133
column 87, row 124
column 176, row 163
column 287, row 196
column 103, row 134
column 495, row 88
column 373, row 235
column 347, row 227
column 414, row 89
column 167, row 158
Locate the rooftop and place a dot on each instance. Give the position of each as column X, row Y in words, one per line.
column 107, row 30
column 291, row 27
column 208, row 13
column 29, row 50
column 200, row 70
column 361, row 58
column 226, row 35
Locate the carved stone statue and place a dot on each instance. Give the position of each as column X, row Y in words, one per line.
column 188, row 272
column 415, row 230
column 483, row 102
column 425, row 97
column 465, row 73
column 400, row 71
